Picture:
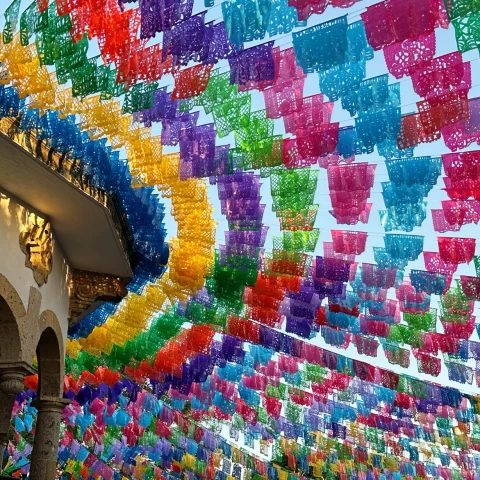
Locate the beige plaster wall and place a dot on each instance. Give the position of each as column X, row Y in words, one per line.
column 54, row 293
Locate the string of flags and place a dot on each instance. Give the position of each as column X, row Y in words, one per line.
column 253, row 359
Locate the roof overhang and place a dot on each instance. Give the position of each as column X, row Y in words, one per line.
column 86, row 225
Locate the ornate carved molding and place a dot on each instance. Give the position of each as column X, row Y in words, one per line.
column 12, row 376
column 73, row 172
column 36, row 243
column 86, row 288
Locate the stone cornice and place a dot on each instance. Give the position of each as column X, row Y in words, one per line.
column 87, row 288
column 70, row 170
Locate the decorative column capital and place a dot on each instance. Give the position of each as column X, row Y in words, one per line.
column 12, row 376
column 87, row 288
column 50, row 404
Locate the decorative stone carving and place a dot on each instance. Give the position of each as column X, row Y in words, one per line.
column 86, row 288
column 71, row 171
column 12, row 376
column 36, row 243
column 12, row 386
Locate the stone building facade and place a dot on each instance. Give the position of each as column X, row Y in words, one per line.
column 34, row 302
column 63, row 251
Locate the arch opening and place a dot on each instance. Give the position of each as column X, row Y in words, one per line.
column 10, row 344
column 49, row 365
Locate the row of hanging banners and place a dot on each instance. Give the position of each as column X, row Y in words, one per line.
column 242, row 392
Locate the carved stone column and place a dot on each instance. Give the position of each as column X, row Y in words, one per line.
column 43, row 465
column 12, row 376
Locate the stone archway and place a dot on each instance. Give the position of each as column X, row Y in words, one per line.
column 10, row 345
column 11, row 310
column 19, row 326
column 9, row 349
column 50, row 357
column 12, row 367
column 24, row 333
